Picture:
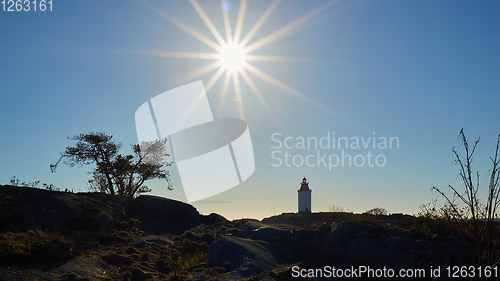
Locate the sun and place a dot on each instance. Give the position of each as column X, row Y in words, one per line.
column 233, row 54
column 232, row 57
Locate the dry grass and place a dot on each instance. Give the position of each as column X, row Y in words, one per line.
column 27, row 246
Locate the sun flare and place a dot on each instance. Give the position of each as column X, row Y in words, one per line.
column 234, row 52
column 232, row 57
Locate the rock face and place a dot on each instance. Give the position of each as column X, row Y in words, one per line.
column 24, row 209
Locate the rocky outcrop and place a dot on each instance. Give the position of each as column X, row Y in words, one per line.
column 153, row 237
column 23, row 209
column 258, row 246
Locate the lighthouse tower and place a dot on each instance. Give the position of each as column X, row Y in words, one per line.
column 304, row 197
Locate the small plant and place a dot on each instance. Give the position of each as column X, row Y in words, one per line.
column 34, row 184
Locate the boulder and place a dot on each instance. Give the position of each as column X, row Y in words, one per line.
column 271, row 233
column 167, row 210
column 242, row 257
column 150, row 240
column 104, row 221
column 213, row 218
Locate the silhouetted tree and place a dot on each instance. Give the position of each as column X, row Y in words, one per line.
column 465, row 209
column 336, row 209
column 116, row 174
column 377, row 212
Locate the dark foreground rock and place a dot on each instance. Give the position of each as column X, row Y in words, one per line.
column 55, row 236
column 258, row 246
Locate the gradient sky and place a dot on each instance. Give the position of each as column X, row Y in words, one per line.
column 415, row 70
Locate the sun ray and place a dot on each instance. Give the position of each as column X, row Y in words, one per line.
column 225, row 87
column 258, row 94
column 282, row 85
column 237, row 89
column 202, row 71
column 239, row 21
column 189, row 111
column 275, row 58
column 208, row 22
column 259, row 23
column 185, row 55
column 185, row 28
column 227, row 23
column 289, row 27
column 214, row 79
column 197, row 35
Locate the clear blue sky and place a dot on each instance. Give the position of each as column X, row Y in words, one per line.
column 415, row 70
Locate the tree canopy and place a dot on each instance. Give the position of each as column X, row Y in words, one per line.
column 377, row 212
column 116, row 174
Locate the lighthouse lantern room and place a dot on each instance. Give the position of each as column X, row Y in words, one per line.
column 304, row 196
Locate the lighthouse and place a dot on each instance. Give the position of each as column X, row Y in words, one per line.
column 304, row 196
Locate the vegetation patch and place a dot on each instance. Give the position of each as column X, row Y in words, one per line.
column 34, row 246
